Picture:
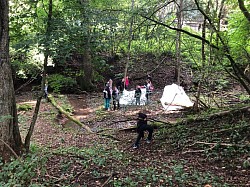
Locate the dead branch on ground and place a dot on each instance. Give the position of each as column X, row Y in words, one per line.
column 109, row 177
column 109, row 136
column 13, row 152
column 213, row 145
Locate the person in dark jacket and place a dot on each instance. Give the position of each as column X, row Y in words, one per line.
column 137, row 95
column 141, row 127
column 115, row 97
column 107, row 97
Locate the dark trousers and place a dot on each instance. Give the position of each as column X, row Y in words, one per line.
column 137, row 101
column 147, row 97
column 116, row 104
column 141, row 133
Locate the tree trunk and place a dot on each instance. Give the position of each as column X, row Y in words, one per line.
column 38, row 102
column 86, row 75
column 9, row 130
column 203, row 57
column 178, row 42
column 129, row 42
column 244, row 9
column 86, row 80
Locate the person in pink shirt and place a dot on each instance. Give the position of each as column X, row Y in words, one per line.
column 126, row 82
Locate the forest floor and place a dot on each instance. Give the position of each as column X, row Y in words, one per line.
column 186, row 155
column 213, row 151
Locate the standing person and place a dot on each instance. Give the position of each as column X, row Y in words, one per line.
column 149, row 89
column 149, row 78
column 107, row 97
column 115, row 97
column 120, row 85
column 46, row 85
column 110, row 83
column 142, row 126
column 126, row 82
column 138, row 95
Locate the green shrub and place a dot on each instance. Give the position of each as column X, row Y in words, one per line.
column 22, row 172
column 24, row 107
column 59, row 83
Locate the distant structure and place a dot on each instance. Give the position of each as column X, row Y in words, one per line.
column 192, row 19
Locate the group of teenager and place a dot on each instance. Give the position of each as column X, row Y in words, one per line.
column 113, row 92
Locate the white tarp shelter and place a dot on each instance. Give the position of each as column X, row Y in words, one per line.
column 174, row 98
column 128, row 97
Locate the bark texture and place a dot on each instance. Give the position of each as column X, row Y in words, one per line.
column 9, row 131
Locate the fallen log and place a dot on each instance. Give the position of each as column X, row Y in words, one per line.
column 51, row 99
column 221, row 114
column 158, row 124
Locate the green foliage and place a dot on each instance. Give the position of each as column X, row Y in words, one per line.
column 246, row 164
column 60, row 83
column 24, row 107
column 3, row 118
column 25, row 64
column 22, row 172
column 239, row 37
column 244, row 98
column 172, row 173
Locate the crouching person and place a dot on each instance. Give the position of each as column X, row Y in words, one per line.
column 141, row 127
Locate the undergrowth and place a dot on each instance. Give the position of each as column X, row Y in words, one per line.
column 221, row 143
column 86, row 166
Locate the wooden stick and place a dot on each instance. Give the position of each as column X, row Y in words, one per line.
column 14, row 153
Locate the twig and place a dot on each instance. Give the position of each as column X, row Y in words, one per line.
column 27, row 83
column 199, row 151
column 109, row 177
column 223, row 130
column 223, row 144
column 14, row 153
column 171, row 101
column 125, row 120
column 213, row 146
column 109, row 136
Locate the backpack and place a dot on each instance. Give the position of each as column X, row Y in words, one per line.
column 105, row 94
